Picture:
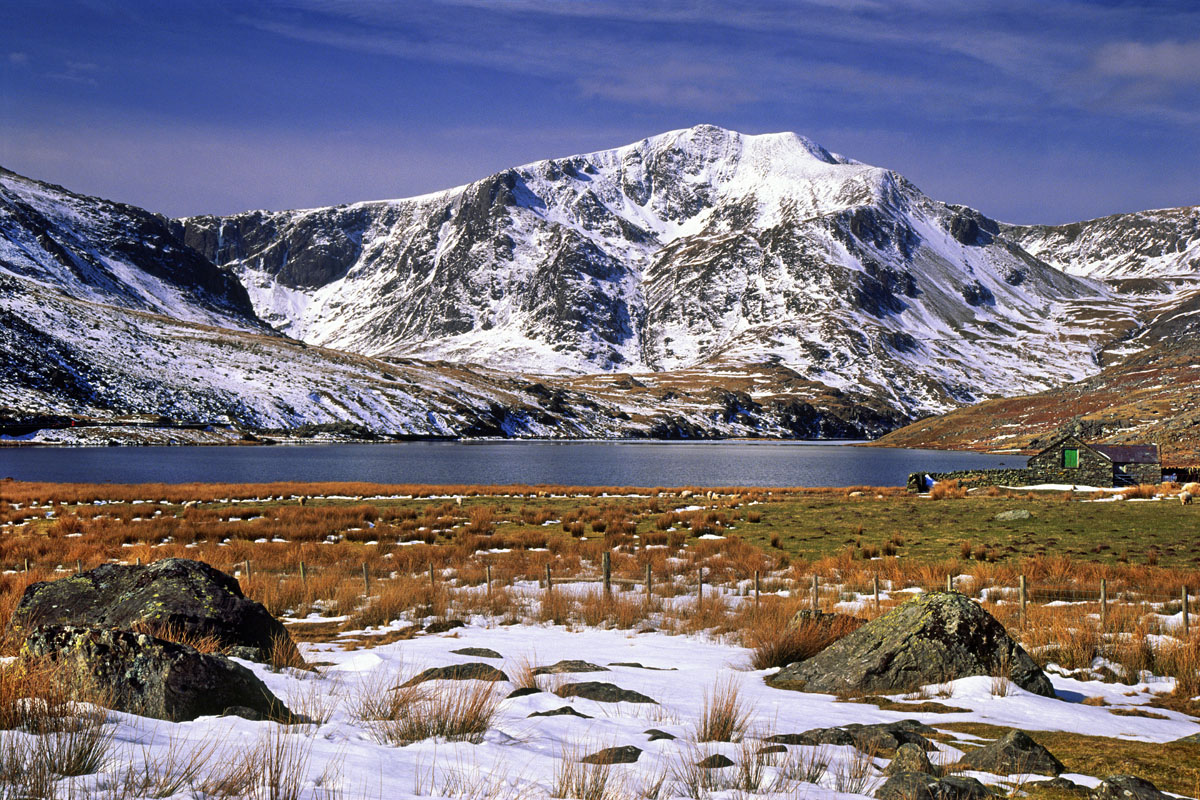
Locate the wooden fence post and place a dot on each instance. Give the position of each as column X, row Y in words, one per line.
column 27, row 565
column 700, row 588
column 1023, row 597
column 487, row 571
column 606, row 568
column 649, row 581
column 432, row 578
column 1183, row 598
column 366, row 579
column 1103, row 603
column 549, row 579
column 78, row 566
column 756, row 590
column 875, row 588
column 816, row 601
column 246, row 566
column 949, row 583
column 303, row 574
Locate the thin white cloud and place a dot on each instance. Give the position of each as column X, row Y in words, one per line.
column 18, row 59
column 1172, row 61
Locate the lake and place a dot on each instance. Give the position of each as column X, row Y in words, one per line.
column 499, row 462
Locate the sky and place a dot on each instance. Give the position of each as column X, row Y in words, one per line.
column 1033, row 111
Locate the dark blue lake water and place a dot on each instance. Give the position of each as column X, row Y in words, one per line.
column 572, row 463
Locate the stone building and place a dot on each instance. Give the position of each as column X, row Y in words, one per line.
column 1069, row 461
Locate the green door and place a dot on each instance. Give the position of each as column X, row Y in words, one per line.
column 1071, row 458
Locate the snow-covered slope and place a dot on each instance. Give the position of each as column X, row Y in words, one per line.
column 1146, row 244
column 106, row 252
column 699, row 247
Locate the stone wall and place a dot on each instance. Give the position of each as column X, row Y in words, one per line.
column 975, row 477
column 1144, row 473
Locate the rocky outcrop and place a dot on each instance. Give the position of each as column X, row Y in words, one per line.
column 919, row 786
column 910, row 758
column 602, row 693
column 1013, row 753
column 150, row 677
column 878, row 738
column 569, row 666
column 939, row 636
column 172, row 597
column 474, row 671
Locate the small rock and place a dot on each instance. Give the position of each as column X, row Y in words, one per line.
column 524, row 691
column 1013, row 753
column 443, row 625
column 715, row 761
column 568, row 666
column 910, row 758
column 1194, row 738
column 1127, row 787
column 771, row 749
column 879, row 737
column 602, row 693
column 477, row 652
column 636, row 665
column 473, row 671
column 655, row 734
column 565, row 711
column 626, row 754
column 244, row 713
column 1062, row 785
column 1013, row 515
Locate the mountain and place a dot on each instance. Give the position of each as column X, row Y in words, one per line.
column 1158, row 245
column 698, row 283
column 695, row 249
column 111, row 253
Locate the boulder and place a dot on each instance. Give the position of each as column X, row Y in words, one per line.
column 1013, row 753
column 627, row 754
column 936, row 637
column 602, row 693
column 715, row 761
column 151, row 677
column 1127, row 787
column 1013, row 515
column 655, row 734
column 473, row 671
column 168, row 597
column 910, row 758
column 879, row 737
column 569, row 666
column 1062, row 785
column 477, row 652
column 564, row 711
column 919, row 786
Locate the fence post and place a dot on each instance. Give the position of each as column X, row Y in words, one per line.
column 78, row 566
column 27, row 565
column 1103, row 603
column 649, row 581
column 949, row 583
column 246, row 565
column 549, row 580
column 756, row 590
column 1183, row 597
column 366, row 580
column 432, row 578
column 606, row 567
column 487, row 571
column 303, row 574
column 700, row 588
column 139, row 562
column 1024, row 597
column 815, row 594
column 875, row 588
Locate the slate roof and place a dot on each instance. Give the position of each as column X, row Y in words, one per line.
column 1128, row 453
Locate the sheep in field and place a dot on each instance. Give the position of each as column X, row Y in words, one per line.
column 1185, row 498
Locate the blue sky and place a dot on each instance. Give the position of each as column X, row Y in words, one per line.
column 1030, row 111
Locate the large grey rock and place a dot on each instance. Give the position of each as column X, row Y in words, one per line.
column 1127, row 787
column 175, row 594
column 569, row 666
column 473, row 671
column 1013, row 753
column 151, row 677
column 627, row 754
column 1013, row 515
column 938, row 636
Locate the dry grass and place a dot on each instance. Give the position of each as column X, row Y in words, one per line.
column 724, row 713
column 453, row 710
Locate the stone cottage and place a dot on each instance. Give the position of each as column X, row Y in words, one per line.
column 1070, row 461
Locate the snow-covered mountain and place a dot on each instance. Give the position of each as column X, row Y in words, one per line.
column 699, row 247
column 105, row 252
column 1147, row 244
column 696, row 283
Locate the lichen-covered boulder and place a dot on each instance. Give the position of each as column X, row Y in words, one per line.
column 151, row 677
column 938, row 636
column 921, row 786
column 172, row 595
column 1127, row 787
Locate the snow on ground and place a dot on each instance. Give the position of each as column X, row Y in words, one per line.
column 518, row 756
